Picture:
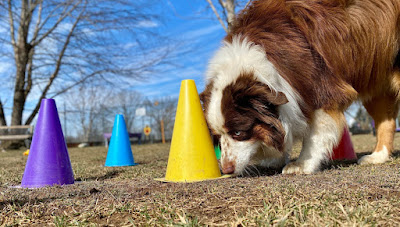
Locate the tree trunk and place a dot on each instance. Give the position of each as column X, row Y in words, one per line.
column 3, row 121
column 21, row 51
column 19, row 98
column 230, row 11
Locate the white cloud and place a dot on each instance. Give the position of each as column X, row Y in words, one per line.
column 3, row 30
column 89, row 32
column 129, row 45
column 204, row 31
column 147, row 24
column 4, row 67
column 64, row 27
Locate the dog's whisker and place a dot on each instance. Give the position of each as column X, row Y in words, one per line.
column 251, row 172
column 246, row 172
column 257, row 170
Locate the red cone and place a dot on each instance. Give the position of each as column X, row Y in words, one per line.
column 345, row 148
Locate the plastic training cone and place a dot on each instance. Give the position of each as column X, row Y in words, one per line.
column 345, row 148
column 119, row 151
column 217, row 150
column 192, row 157
column 48, row 161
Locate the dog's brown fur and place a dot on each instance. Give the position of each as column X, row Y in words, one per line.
column 331, row 52
column 328, row 50
column 247, row 111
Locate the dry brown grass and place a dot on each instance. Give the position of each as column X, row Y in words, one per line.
column 344, row 194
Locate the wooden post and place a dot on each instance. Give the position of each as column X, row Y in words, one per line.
column 162, row 131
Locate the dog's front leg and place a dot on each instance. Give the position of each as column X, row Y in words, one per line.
column 324, row 133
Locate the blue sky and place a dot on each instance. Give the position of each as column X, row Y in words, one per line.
column 190, row 23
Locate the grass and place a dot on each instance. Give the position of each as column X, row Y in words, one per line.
column 343, row 194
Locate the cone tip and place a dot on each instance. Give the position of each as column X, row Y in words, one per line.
column 48, row 102
column 187, row 81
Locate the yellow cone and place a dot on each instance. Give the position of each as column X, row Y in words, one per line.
column 191, row 156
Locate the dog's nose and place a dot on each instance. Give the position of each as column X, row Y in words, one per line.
column 228, row 168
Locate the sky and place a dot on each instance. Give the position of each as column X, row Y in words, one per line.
column 191, row 24
column 201, row 33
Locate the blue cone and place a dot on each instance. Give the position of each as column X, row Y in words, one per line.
column 119, row 151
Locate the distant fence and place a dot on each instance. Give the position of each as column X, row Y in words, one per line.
column 89, row 125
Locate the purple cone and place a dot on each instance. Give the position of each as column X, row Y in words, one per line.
column 48, row 161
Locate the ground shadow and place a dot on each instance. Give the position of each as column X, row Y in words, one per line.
column 109, row 175
column 396, row 154
column 44, row 195
column 346, row 163
column 258, row 171
column 338, row 164
column 23, row 201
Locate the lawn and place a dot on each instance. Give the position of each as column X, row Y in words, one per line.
column 343, row 194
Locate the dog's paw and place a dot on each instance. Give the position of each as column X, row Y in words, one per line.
column 374, row 158
column 296, row 168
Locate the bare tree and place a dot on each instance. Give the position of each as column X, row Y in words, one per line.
column 85, row 106
column 58, row 44
column 126, row 103
column 225, row 11
column 93, row 110
column 162, row 110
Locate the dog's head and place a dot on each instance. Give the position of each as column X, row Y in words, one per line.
column 244, row 116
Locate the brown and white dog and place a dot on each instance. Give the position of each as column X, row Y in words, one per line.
column 288, row 69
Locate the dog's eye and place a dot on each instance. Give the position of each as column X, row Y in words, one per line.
column 240, row 135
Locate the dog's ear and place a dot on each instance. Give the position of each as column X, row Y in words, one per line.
column 276, row 98
column 203, row 96
column 265, row 95
column 259, row 96
column 206, row 95
column 265, row 102
column 270, row 130
column 267, row 99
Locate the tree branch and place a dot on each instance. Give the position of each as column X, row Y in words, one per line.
column 29, row 73
column 224, row 9
column 32, row 50
column 229, row 11
column 36, row 41
column 39, row 18
column 247, row 4
column 12, row 29
column 33, row 5
column 217, row 14
column 77, row 83
column 55, row 73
